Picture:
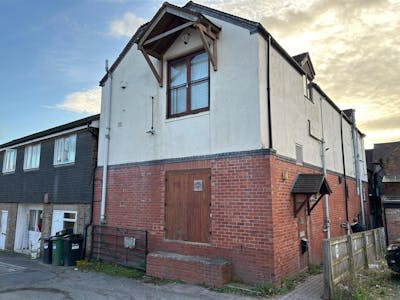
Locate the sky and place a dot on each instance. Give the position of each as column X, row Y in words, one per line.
column 53, row 55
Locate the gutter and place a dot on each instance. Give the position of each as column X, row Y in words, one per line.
column 106, row 148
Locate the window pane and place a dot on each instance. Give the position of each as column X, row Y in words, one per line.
column 178, row 73
column 178, row 100
column 58, row 145
column 9, row 160
column 32, row 220
column 199, row 67
column 199, row 95
column 70, row 145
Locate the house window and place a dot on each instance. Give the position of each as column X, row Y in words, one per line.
column 299, row 154
column 188, row 85
column 64, row 150
column 307, row 87
column 32, row 157
column 9, row 161
column 64, row 220
column 35, row 220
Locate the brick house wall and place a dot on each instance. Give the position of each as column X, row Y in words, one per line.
column 252, row 224
column 393, row 224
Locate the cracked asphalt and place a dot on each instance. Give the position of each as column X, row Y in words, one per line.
column 22, row 278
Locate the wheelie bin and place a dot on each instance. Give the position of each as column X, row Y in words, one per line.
column 47, row 250
column 58, row 251
column 72, row 249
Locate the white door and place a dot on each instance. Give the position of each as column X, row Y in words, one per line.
column 57, row 224
column 3, row 234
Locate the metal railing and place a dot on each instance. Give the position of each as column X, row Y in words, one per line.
column 124, row 246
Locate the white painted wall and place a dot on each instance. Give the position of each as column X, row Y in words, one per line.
column 231, row 124
column 290, row 112
column 238, row 116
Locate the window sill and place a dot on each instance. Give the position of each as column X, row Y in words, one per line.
column 200, row 114
column 8, row 172
column 31, row 169
column 63, row 164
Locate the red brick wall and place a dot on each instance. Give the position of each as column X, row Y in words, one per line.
column 241, row 211
column 285, row 225
column 253, row 223
column 393, row 224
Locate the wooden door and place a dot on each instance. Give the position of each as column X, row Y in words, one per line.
column 303, row 236
column 187, row 205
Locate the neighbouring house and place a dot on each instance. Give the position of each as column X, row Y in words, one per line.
column 46, row 183
column 384, row 187
column 218, row 143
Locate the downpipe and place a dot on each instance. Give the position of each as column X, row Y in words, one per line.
column 106, row 139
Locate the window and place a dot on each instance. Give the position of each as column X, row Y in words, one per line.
column 299, row 154
column 64, row 150
column 32, row 157
column 9, row 161
column 188, row 85
column 35, row 220
column 307, row 87
column 64, row 220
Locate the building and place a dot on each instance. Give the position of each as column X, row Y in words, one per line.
column 384, row 187
column 46, row 184
column 215, row 141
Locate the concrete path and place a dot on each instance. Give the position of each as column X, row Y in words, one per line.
column 311, row 289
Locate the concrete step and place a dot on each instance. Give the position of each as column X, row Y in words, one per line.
column 188, row 268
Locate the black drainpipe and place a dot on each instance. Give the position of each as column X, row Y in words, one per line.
column 346, row 190
column 269, row 94
column 94, row 167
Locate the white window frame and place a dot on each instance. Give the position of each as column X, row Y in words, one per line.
column 30, row 152
column 60, row 143
column 307, row 88
column 63, row 219
column 8, row 165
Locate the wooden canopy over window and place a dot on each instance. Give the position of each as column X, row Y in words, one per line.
column 308, row 185
column 166, row 26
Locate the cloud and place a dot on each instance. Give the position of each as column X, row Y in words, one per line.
column 126, row 26
column 353, row 46
column 88, row 101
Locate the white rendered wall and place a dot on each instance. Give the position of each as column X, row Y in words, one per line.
column 231, row 124
column 290, row 114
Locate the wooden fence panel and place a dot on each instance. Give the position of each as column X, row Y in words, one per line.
column 345, row 255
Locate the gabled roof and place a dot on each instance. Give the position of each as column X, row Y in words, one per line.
column 53, row 130
column 304, row 61
column 310, row 184
column 166, row 25
column 253, row 27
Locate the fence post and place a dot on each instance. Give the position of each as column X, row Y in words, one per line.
column 350, row 253
column 365, row 250
column 377, row 252
column 327, row 259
